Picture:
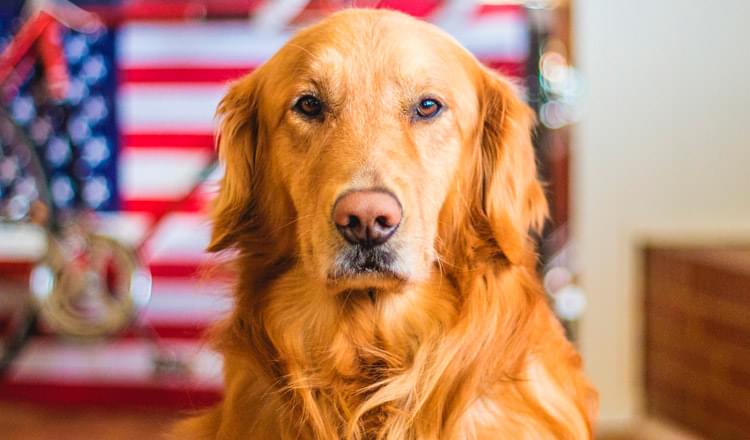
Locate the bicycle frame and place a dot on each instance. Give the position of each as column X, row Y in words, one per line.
column 39, row 39
column 43, row 31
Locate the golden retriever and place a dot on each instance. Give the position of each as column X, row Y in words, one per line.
column 380, row 192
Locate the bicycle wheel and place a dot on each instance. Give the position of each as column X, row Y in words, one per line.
column 89, row 285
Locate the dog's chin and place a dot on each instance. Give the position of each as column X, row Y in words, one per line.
column 364, row 269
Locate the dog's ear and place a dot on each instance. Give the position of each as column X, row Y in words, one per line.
column 237, row 139
column 511, row 197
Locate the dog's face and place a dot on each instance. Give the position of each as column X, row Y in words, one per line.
column 351, row 145
column 370, row 117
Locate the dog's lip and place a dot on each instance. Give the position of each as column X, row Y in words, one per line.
column 367, row 273
column 356, row 267
column 366, row 279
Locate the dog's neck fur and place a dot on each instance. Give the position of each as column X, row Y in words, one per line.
column 315, row 361
column 354, row 339
column 344, row 344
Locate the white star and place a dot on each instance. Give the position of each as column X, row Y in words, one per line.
column 95, row 108
column 96, row 191
column 40, row 130
column 58, row 151
column 18, row 207
column 77, row 90
column 93, row 69
column 79, row 129
column 8, row 170
column 95, row 151
column 76, row 48
column 27, row 187
column 62, row 190
column 23, row 109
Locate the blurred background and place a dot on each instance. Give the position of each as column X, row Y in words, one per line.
column 107, row 163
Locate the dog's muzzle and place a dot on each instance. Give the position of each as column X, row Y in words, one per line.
column 366, row 220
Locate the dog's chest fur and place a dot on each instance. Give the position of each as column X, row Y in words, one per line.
column 344, row 346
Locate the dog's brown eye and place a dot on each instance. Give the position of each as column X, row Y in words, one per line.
column 428, row 108
column 309, row 106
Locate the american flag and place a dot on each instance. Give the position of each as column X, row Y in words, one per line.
column 142, row 107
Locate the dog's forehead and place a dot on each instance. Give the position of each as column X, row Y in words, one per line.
column 362, row 44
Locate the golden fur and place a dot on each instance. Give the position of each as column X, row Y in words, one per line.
column 461, row 344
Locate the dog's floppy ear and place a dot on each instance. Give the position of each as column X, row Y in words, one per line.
column 512, row 199
column 237, row 139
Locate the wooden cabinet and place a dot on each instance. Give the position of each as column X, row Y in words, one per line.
column 697, row 339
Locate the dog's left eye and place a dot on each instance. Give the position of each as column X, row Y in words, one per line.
column 428, row 108
column 309, row 106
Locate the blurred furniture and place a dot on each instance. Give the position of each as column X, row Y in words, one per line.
column 697, row 339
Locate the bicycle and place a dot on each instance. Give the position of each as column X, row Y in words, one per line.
column 87, row 285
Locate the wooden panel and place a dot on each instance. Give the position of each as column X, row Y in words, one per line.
column 697, row 339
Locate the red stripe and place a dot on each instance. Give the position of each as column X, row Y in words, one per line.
column 15, row 269
column 162, row 394
column 512, row 69
column 169, row 140
column 488, row 9
column 177, row 270
column 182, row 74
column 212, row 268
column 166, row 331
column 175, row 10
column 181, row 331
column 193, row 75
column 188, row 74
column 416, row 8
column 152, row 206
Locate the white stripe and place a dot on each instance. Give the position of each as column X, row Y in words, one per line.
column 214, row 43
column 21, row 242
column 502, row 37
column 234, row 43
column 126, row 227
column 178, row 288
column 159, row 173
column 185, row 108
column 185, row 307
column 275, row 16
column 181, row 238
column 27, row 242
column 119, row 362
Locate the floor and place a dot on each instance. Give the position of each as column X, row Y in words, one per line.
column 31, row 422
column 24, row 421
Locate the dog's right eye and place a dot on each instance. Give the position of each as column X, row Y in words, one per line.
column 309, row 106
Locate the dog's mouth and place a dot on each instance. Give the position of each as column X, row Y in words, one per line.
column 362, row 267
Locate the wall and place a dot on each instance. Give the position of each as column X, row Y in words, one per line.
column 663, row 153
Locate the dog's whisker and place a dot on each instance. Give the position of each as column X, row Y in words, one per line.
column 293, row 221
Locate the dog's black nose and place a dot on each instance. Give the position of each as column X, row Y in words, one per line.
column 367, row 218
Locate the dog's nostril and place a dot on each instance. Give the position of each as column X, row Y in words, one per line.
column 367, row 218
column 353, row 222
column 382, row 221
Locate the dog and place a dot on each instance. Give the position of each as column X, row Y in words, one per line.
column 381, row 195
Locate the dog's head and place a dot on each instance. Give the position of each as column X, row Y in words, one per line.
column 370, row 147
